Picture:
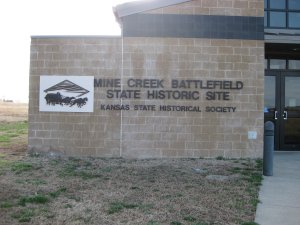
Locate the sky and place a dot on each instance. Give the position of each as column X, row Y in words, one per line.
column 19, row 20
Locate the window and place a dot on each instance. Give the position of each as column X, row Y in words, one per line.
column 294, row 64
column 278, row 64
column 266, row 19
column 282, row 14
column 277, row 19
column 282, row 64
column 294, row 4
column 294, row 20
column 277, row 4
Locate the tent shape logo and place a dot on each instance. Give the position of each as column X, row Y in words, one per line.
column 60, row 93
column 68, row 86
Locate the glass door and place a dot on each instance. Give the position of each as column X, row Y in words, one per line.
column 290, row 111
column 282, row 107
column 272, row 105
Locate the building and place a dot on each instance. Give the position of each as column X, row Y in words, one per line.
column 282, row 64
column 185, row 79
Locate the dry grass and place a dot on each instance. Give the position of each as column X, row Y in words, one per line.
column 13, row 111
column 13, row 128
column 43, row 190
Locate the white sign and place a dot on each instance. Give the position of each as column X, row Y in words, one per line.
column 67, row 93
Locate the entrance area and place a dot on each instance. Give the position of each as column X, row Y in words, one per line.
column 282, row 107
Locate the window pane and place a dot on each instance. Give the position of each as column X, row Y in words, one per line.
column 294, row 4
column 269, row 93
column 277, row 4
column 266, row 4
column 292, row 94
column 266, row 64
column 277, row 64
column 294, row 64
column 266, row 19
column 277, row 19
column 294, row 20
column 291, row 133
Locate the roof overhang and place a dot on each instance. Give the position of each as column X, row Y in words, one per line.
column 134, row 7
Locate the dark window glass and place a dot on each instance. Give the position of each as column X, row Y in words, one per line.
column 278, row 64
column 266, row 19
column 277, row 19
column 292, row 93
column 294, row 4
column 277, row 4
column 291, row 134
column 266, row 4
column 294, row 64
column 270, row 83
column 294, row 20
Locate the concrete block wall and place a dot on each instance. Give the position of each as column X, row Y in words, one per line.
column 216, row 7
column 76, row 134
column 195, row 134
column 155, row 133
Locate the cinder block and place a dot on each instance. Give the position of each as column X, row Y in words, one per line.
column 150, row 134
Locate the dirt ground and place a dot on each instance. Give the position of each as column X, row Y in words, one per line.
column 36, row 189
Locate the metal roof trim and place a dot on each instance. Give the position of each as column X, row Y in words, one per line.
column 131, row 8
column 287, row 32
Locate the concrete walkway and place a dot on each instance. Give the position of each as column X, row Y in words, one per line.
column 280, row 193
